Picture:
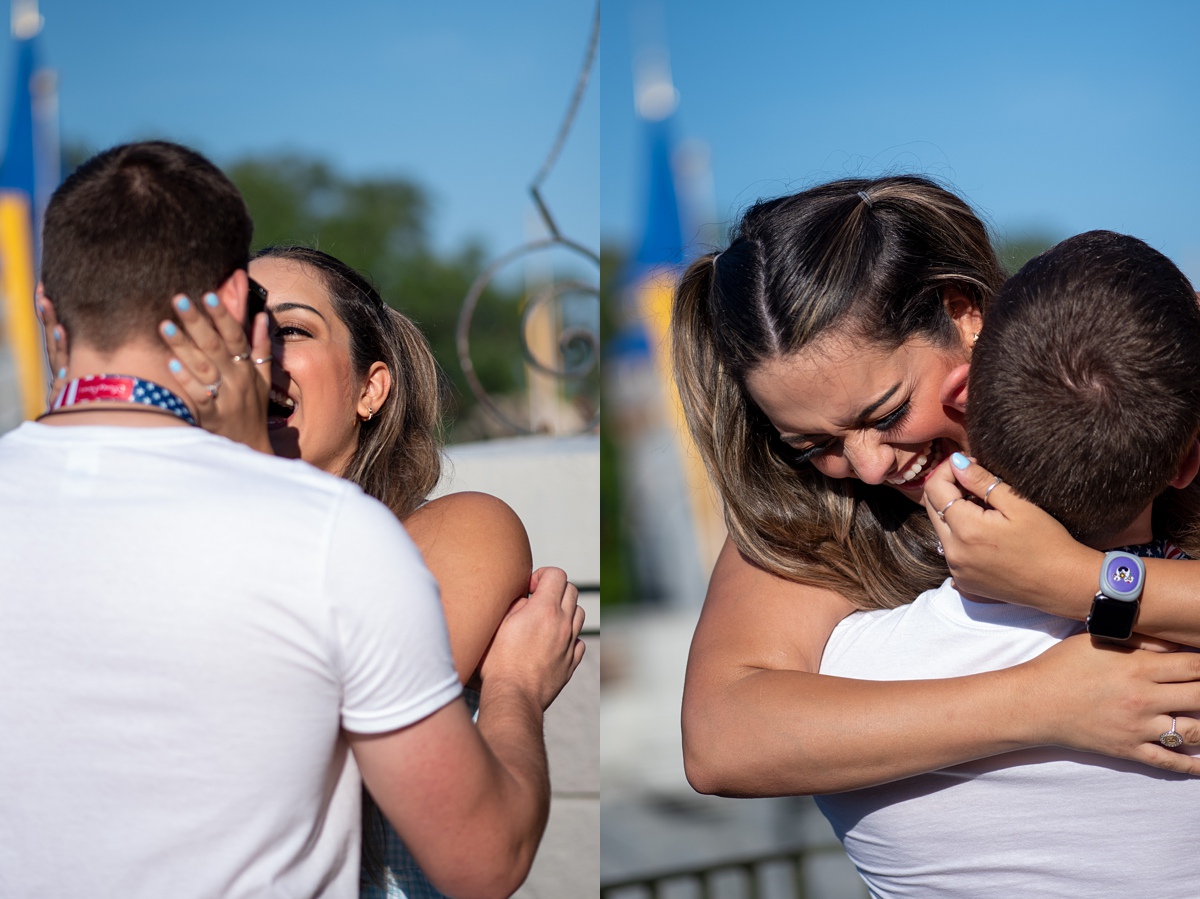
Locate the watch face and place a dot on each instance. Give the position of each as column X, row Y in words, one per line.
column 1112, row 618
column 1123, row 575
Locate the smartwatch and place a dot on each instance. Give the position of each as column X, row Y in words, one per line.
column 1116, row 605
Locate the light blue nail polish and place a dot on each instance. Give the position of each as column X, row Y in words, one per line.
column 62, row 372
column 175, row 367
column 959, row 461
column 183, row 304
column 210, row 300
column 170, row 330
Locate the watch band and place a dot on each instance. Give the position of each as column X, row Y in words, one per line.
column 1115, row 606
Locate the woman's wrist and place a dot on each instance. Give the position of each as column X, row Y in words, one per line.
column 1069, row 590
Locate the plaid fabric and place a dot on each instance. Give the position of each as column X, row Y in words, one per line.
column 405, row 880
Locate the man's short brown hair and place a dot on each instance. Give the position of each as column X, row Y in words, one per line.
column 1085, row 382
column 131, row 228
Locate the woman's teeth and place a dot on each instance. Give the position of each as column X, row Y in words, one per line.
column 917, row 465
column 279, row 404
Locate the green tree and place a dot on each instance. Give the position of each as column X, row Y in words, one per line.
column 1015, row 249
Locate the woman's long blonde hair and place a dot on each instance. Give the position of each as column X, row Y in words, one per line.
column 870, row 258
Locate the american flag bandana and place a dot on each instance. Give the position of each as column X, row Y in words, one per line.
column 121, row 389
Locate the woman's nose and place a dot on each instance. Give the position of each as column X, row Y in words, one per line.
column 871, row 460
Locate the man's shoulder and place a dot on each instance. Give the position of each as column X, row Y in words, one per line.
column 188, row 463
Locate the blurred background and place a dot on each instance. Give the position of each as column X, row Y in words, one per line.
column 1050, row 118
column 400, row 137
column 404, row 139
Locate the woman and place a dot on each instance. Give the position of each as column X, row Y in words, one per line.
column 822, row 362
column 354, row 390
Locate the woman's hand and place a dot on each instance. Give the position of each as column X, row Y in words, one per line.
column 226, row 378
column 1007, row 548
column 1118, row 700
column 537, row 646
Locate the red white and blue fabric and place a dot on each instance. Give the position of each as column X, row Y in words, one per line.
column 121, row 389
column 1162, row 548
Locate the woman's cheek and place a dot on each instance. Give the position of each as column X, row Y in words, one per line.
column 833, row 467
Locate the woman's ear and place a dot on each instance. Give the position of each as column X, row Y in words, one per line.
column 1187, row 468
column 954, row 389
column 376, row 388
column 965, row 314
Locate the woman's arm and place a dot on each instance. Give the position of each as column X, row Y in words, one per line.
column 1015, row 552
column 758, row 720
column 477, row 548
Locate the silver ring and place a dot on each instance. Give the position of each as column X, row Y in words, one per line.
column 942, row 512
column 211, row 389
column 264, row 359
column 1171, row 739
column 240, row 357
column 992, row 486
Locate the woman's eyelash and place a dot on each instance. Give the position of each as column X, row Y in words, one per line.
column 810, row 453
column 895, row 419
column 287, row 330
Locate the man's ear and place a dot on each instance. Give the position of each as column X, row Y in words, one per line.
column 233, row 294
column 954, row 389
column 1187, row 468
column 375, row 391
column 965, row 314
column 58, row 347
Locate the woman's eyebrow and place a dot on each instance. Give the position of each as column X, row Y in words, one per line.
column 286, row 307
column 870, row 410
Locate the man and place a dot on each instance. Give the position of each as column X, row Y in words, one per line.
column 1085, row 395
column 194, row 636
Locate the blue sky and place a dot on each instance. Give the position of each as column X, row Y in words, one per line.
column 1051, row 117
column 465, row 98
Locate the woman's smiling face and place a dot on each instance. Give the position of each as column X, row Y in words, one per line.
column 865, row 411
column 313, row 413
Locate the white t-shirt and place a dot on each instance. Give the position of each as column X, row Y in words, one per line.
column 186, row 626
column 1039, row 822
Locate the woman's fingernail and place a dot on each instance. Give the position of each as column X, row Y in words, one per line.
column 210, row 300
column 959, row 461
column 175, row 367
column 62, row 372
column 183, row 304
column 170, row 330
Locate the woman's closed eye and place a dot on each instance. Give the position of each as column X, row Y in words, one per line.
column 806, row 449
column 895, row 419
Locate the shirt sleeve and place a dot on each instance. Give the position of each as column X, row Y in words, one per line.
column 390, row 642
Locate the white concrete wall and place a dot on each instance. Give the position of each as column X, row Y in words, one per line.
column 553, row 483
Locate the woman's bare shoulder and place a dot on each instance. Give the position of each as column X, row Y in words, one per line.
column 754, row 618
column 473, row 521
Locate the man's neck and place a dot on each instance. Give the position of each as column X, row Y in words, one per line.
column 140, row 360
column 1138, row 532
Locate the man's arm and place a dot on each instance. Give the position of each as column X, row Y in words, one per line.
column 472, row 803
